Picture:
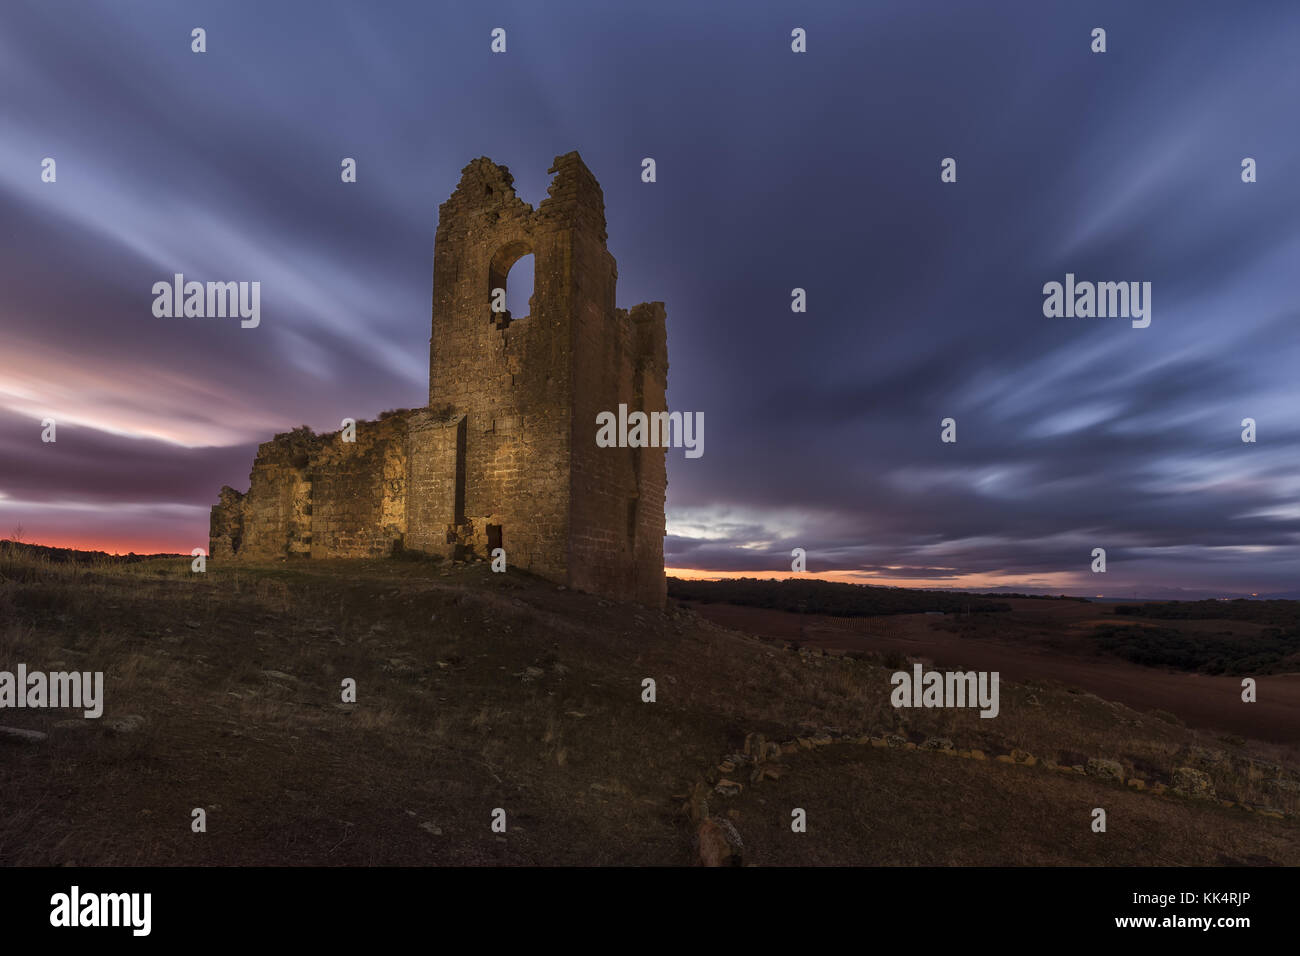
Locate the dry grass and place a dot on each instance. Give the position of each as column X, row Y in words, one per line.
column 478, row 691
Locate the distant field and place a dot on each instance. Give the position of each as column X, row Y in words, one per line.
column 1043, row 640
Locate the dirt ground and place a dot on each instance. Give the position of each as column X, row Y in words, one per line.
column 478, row 692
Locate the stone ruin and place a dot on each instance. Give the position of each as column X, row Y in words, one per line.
column 504, row 455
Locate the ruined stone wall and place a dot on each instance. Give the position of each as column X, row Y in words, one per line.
column 649, row 336
column 505, row 452
column 319, row 496
column 508, row 375
column 435, row 483
column 226, row 524
column 277, row 508
column 356, row 491
column 618, row 493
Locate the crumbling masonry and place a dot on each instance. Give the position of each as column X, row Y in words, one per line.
column 504, row 455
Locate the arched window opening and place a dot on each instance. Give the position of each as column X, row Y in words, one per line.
column 510, row 283
column 519, row 288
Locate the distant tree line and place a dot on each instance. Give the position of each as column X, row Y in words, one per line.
column 828, row 597
column 15, row 549
column 1270, row 651
column 1280, row 613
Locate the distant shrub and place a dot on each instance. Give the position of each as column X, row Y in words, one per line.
column 1278, row 613
column 894, row 660
column 1270, row 651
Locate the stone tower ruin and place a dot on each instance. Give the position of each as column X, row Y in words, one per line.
column 504, row 455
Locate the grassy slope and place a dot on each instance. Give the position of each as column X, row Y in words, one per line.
column 451, row 723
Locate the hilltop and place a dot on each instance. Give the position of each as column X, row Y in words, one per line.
column 478, row 691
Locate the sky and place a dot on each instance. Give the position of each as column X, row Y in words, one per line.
column 775, row 170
